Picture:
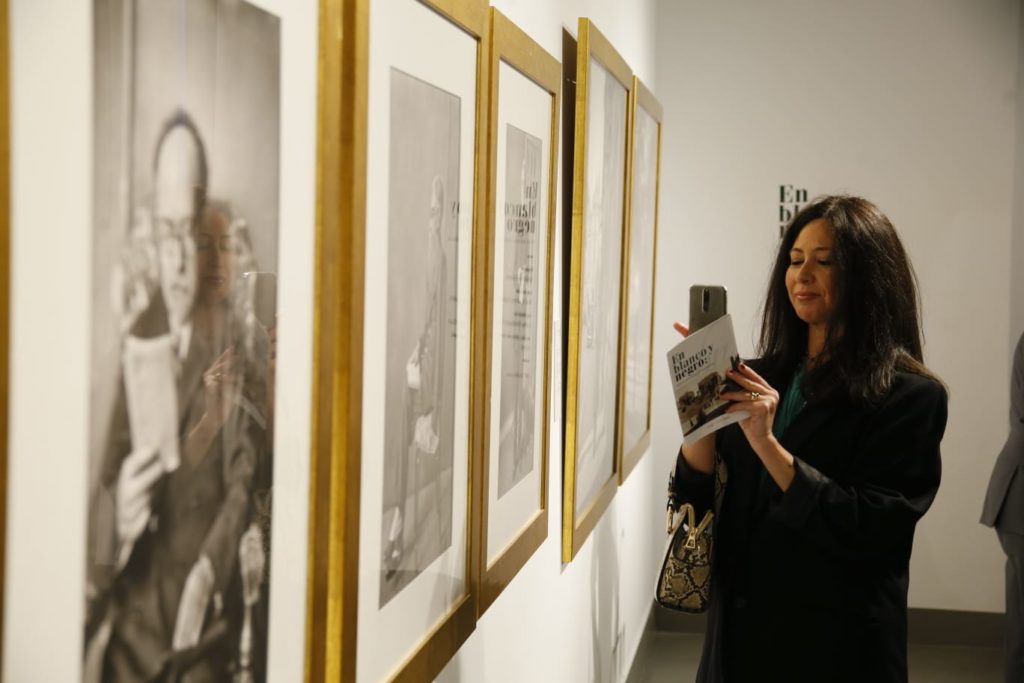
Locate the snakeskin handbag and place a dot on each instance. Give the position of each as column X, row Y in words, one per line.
column 684, row 582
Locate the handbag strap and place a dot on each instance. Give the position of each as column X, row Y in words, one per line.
column 676, row 517
column 674, row 506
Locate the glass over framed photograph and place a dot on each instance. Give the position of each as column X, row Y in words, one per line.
column 176, row 538
column 189, row 560
column 523, row 140
column 603, row 85
column 641, row 240
column 416, row 580
column 185, row 265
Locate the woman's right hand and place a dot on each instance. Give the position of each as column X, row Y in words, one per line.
column 699, row 455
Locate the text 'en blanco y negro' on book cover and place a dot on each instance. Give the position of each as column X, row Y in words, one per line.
column 697, row 367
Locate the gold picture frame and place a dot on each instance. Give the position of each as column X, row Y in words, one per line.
column 338, row 341
column 5, row 270
column 633, row 449
column 333, row 597
column 509, row 44
column 578, row 521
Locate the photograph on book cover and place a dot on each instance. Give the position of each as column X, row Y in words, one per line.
column 184, row 292
column 641, row 240
column 698, row 367
column 522, row 141
column 603, row 85
column 416, row 593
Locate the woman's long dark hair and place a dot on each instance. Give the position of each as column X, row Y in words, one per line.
column 875, row 331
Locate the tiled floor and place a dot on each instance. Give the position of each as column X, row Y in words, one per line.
column 673, row 657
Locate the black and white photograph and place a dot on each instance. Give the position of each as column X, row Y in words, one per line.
column 522, row 142
column 183, row 342
column 603, row 197
column 423, row 210
column 414, row 593
column 640, row 279
column 520, row 301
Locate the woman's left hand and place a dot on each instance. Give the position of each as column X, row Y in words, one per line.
column 758, row 398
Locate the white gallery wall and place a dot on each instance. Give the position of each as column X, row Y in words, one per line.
column 582, row 621
column 1017, row 237
column 912, row 104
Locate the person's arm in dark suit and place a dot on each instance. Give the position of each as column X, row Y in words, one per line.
column 1017, row 386
column 691, row 485
column 893, row 478
column 1004, row 484
column 693, row 479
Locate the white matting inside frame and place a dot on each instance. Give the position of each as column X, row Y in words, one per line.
column 409, row 37
column 526, row 106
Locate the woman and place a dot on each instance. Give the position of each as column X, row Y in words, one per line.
column 227, row 453
column 828, row 476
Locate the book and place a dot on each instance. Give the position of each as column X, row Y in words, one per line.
column 152, row 396
column 697, row 367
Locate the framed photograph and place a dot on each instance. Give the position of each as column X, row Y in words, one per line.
column 338, row 345
column 422, row 315
column 185, row 263
column 638, row 276
column 523, row 144
column 162, row 278
column 603, row 85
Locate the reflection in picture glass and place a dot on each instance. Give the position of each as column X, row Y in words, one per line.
column 185, row 240
column 603, row 198
column 520, row 302
column 640, row 290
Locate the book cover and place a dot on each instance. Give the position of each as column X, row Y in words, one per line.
column 697, row 367
column 152, row 396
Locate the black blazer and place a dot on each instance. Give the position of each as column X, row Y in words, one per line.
column 811, row 584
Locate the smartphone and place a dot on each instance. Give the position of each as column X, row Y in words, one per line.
column 707, row 304
column 263, row 289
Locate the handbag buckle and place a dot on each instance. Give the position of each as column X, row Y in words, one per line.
column 691, row 540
